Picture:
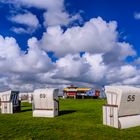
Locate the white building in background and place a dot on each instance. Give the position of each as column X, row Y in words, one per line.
column 23, row 96
column 30, row 97
column 10, row 102
column 123, row 107
column 26, row 97
column 45, row 102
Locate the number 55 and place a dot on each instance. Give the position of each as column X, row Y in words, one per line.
column 131, row 98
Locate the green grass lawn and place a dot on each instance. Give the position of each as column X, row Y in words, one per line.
column 78, row 120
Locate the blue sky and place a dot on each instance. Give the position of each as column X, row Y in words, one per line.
column 106, row 31
column 120, row 11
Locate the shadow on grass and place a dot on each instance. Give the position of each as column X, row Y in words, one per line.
column 64, row 112
column 24, row 106
column 25, row 110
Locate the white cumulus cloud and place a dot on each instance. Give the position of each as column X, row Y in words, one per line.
column 95, row 36
column 103, row 60
column 28, row 19
column 55, row 12
column 41, row 4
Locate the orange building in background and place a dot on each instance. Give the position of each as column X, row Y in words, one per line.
column 75, row 92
